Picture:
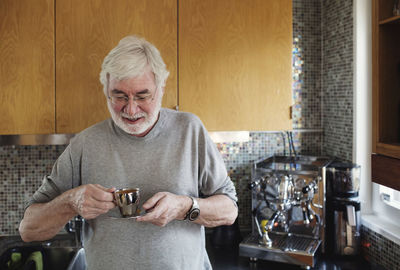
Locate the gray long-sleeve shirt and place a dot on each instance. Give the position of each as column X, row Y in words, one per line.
column 176, row 156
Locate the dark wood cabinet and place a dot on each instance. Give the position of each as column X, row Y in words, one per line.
column 386, row 93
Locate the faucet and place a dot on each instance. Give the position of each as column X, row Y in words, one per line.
column 75, row 226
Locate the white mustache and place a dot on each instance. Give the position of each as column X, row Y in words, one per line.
column 133, row 117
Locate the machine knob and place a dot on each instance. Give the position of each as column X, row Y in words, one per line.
column 255, row 183
column 306, row 189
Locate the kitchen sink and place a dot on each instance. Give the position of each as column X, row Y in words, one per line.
column 60, row 253
column 58, row 257
column 63, row 258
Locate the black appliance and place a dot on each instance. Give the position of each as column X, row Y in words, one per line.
column 343, row 208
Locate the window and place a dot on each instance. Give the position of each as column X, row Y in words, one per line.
column 389, row 196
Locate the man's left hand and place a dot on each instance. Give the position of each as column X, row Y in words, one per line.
column 163, row 207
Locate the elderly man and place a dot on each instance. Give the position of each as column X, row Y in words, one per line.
column 168, row 154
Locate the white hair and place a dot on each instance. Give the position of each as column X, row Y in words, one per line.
column 129, row 59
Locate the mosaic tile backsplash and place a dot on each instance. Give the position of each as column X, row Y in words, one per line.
column 21, row 172
column 379, row 250
column 307, row 64
column 337, row 80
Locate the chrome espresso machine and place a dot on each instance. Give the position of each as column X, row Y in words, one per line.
column 288, row 210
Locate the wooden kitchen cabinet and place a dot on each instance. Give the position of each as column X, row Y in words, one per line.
column 233, row 59
column 26, row 67
column 85, row 32
column 386, row 93
column 235, row 68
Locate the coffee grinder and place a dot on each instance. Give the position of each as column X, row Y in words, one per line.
column 343, row 209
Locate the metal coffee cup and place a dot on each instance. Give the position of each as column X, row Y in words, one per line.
column 128, row 200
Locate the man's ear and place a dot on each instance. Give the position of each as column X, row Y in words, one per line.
column 108, row 82
column 162, row 91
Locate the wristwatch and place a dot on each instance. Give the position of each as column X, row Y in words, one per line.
column 194, row 211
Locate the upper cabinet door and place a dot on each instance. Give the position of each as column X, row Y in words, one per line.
column 26, row 67
column 385, row 79
column 85, row 32
column 235, row 63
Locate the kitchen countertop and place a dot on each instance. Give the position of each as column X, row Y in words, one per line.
column 227, row 258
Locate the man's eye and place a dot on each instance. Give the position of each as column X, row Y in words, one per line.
column 120, row 98
column 141, row 97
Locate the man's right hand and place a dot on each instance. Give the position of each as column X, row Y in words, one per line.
column 44, row 220
column 92, row 200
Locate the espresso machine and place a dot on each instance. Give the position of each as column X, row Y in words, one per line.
column 288, row 210
column 343, row 209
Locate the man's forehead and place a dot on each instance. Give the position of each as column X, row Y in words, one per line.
column 147, row 75
column 134, row 85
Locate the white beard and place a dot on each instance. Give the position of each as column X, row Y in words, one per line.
column 135, row 129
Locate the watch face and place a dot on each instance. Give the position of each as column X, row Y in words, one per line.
column 194, row 214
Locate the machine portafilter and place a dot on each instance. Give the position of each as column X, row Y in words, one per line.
column 278, row 194
column 304, row 195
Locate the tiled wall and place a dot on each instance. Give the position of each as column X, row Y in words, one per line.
column 21, row 172
column 307, row 38
column 337, row 79
column 380, row 250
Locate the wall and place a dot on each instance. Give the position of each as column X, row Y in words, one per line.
column 21, row 172
column 307, row 64
column 337, row 79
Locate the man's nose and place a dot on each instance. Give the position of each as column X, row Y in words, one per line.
column 131, row 107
